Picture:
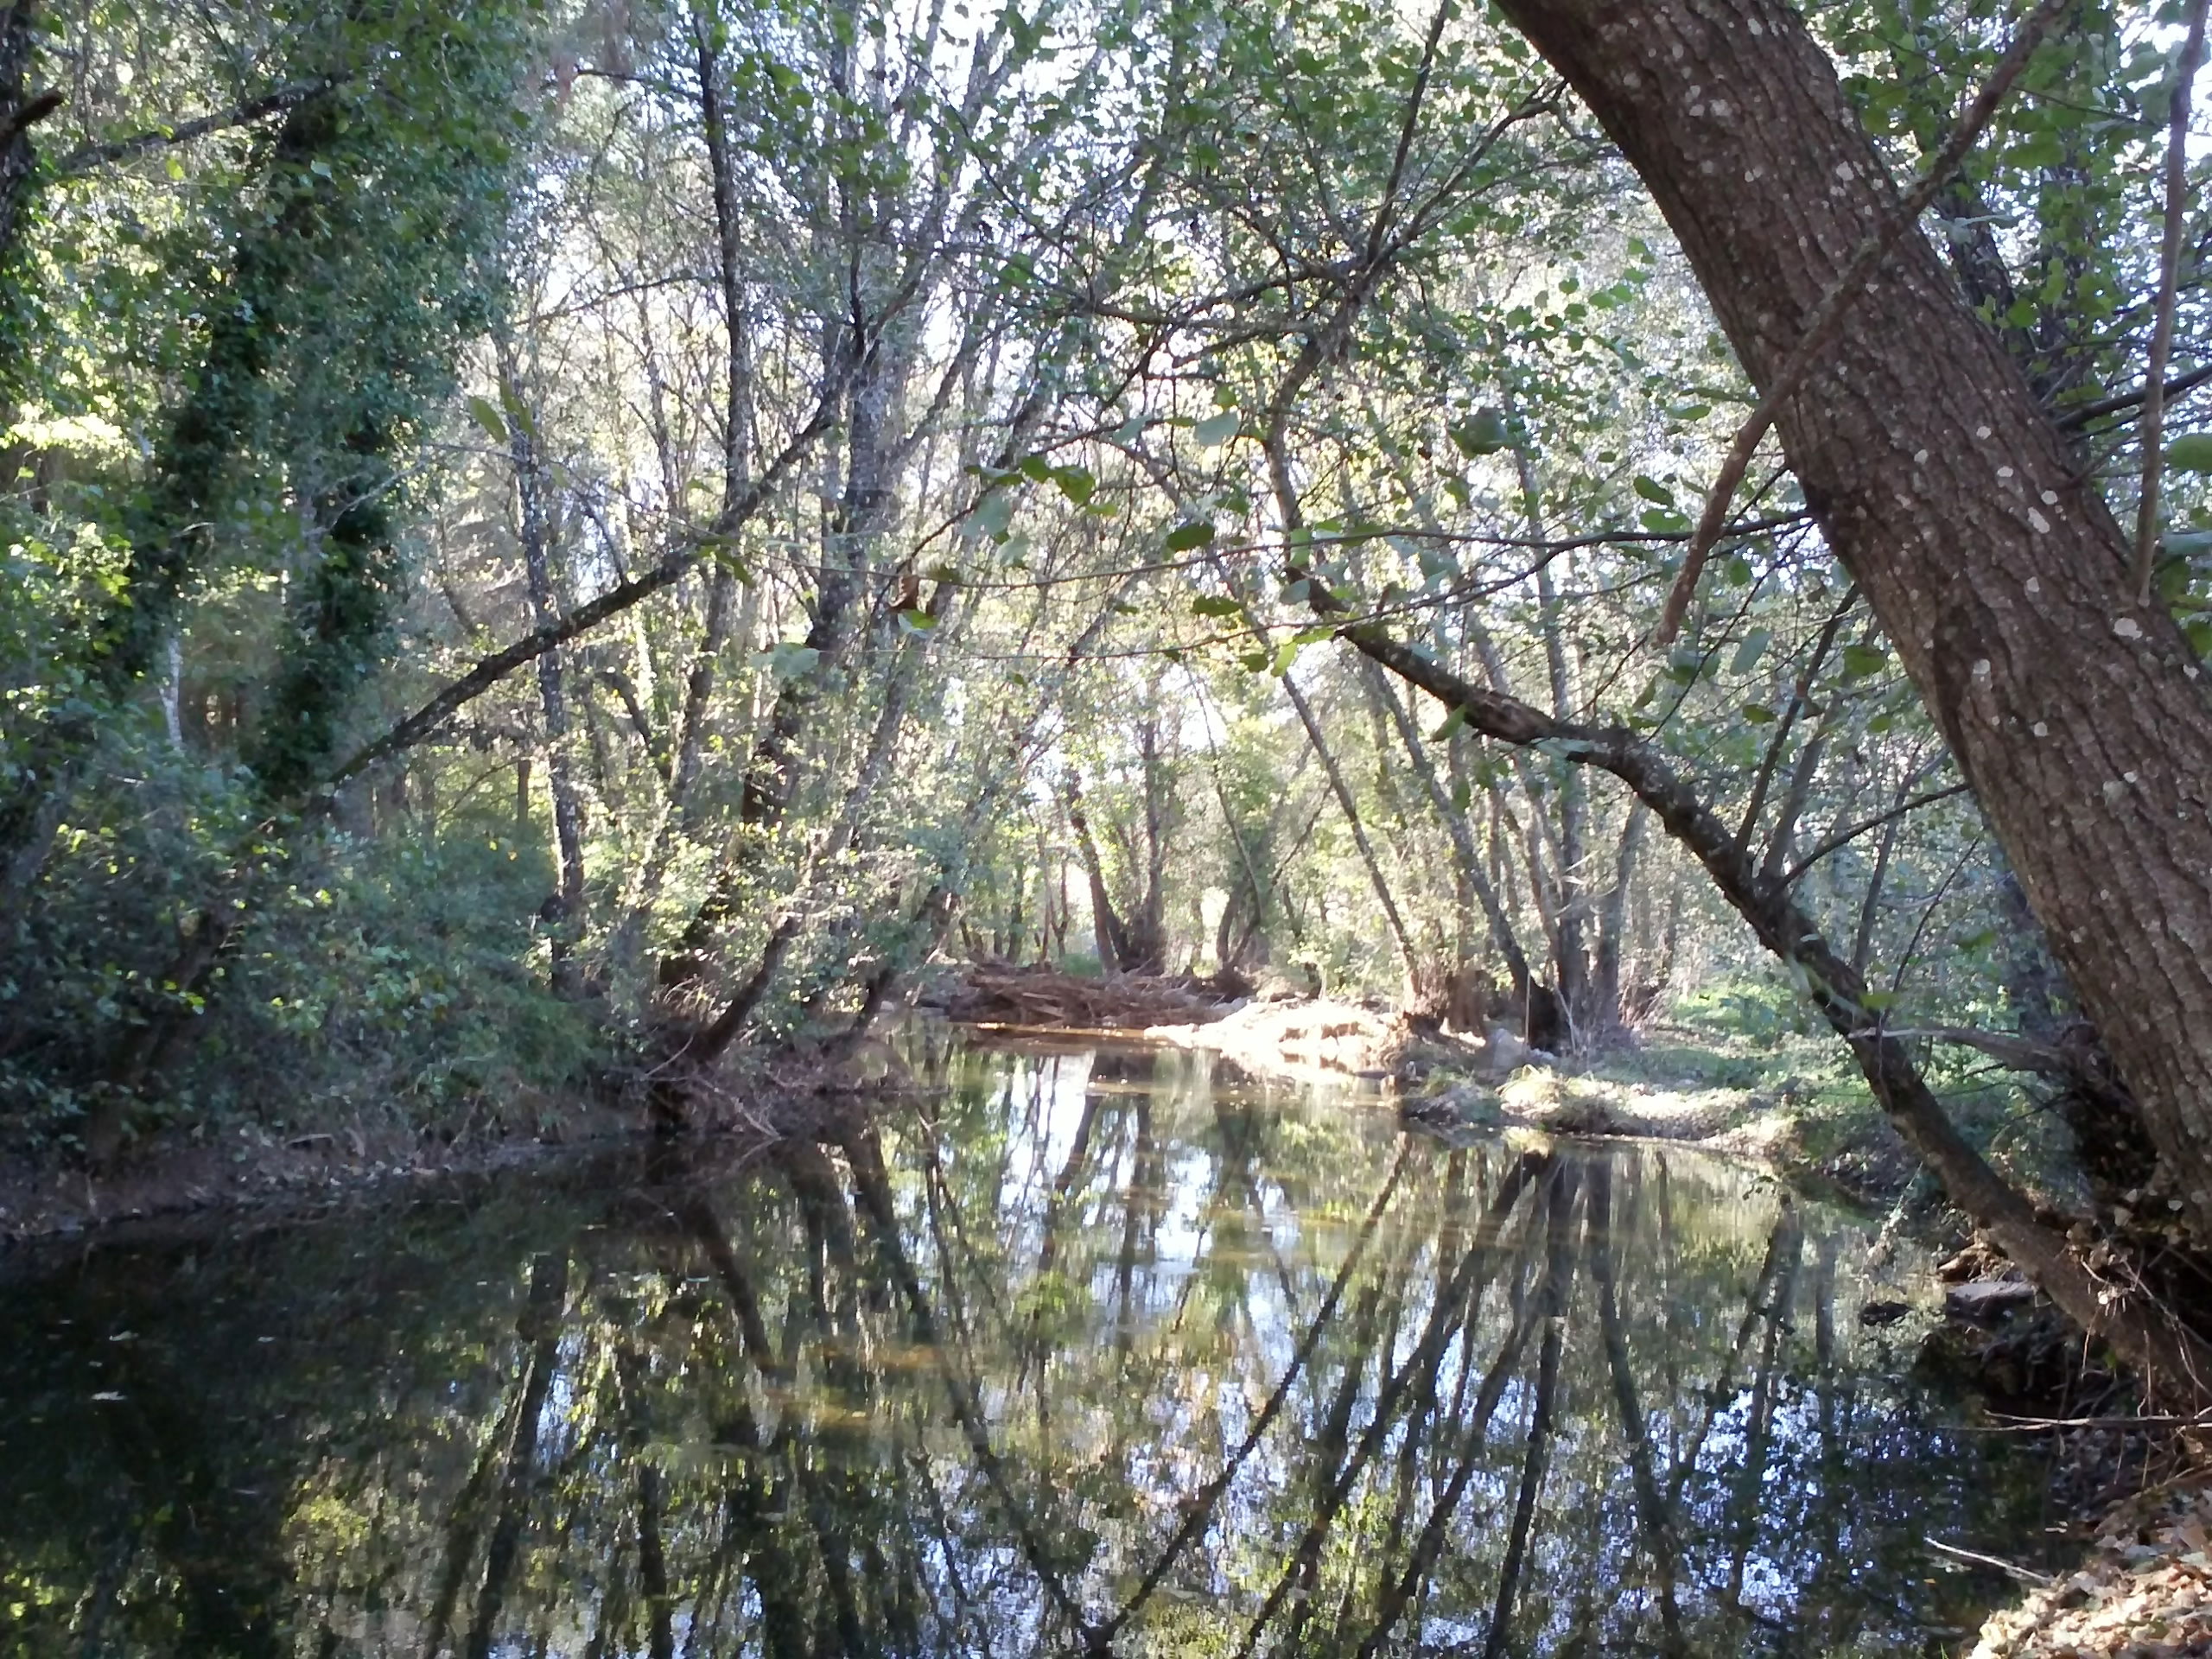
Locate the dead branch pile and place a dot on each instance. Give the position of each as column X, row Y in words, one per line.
column 1303, row 1039
column 1003, row 994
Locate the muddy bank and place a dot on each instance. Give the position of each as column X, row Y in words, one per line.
column 249, row 1170
column 1447, row 1084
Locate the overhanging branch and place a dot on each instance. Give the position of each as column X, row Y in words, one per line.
column 672, row 568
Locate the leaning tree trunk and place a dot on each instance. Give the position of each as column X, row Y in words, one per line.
column 2077, row 716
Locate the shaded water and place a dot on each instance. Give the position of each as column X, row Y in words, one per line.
column 1092, row 1352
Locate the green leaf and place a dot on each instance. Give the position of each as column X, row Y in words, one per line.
column 1217, row 430
column 1214, row 605
column 487, row 416
column 1286, row 654
column 2190, row 453
column 1453, row 720
column 1749, row 652
column 1462, row 793
column 1875, row 1002
column 994, row 514
column 1758, row 714
column 790, row 661
column 1652, row 490
column 1184, row 537
column 1255, row 662
column 1481, row 434
column 1075, row 484
column 518, row 411
column 916, row 620
column 1859, row 661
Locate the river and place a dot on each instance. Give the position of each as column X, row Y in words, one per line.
column 1070, row 1352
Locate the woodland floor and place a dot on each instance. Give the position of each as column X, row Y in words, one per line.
column 2144, row 1592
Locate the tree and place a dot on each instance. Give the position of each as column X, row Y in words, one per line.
column 2077, row 714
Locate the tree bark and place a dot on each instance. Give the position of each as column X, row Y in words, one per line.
column 2077, row 716
column 20, row 109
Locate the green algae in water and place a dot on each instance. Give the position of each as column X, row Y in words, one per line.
column 1087, row 1352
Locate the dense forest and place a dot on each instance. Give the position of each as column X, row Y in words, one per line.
column 554, row 545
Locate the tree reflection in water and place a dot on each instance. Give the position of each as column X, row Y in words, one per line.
column 1084, row 1354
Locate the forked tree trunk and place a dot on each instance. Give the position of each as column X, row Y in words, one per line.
column 2079, row 718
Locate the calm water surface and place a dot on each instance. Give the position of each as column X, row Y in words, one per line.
column 1090, row 1352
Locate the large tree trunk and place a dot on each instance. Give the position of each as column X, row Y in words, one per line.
column 2078, row 716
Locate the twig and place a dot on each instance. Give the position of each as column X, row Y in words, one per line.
column 2009, row 1424
column 1827, row 318
column 2082, row 414
column 2162, row 330
column 1929, row 799
column 2011, row 1569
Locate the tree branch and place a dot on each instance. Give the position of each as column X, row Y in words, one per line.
column 672, row 568
column 2082, row 414
column 86, row 158
column 1845, row 837
column 2143, row 1332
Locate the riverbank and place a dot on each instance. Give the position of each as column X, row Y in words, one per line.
column 2145, row 1590
column 249, row 1169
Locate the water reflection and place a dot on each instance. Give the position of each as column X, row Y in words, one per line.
column 1085, row 1354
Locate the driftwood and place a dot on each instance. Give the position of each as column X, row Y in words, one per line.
column 1003, row 994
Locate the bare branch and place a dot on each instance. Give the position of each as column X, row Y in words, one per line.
column 673, row 565
column 1845, row 837
column 86, row 158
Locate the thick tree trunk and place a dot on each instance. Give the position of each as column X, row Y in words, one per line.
column 21, row 109
column 2078, row 717
column 1613, row 922
column 1106, row 925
